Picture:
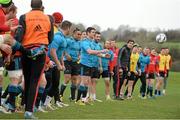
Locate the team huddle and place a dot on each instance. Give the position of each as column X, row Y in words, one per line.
column 37, row 47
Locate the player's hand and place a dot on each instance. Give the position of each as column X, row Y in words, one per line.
column 129, row 73
column 9, row 22
column 112, row 73
column 158, row 75
column 51, row 64
column 59, row 67
column 165, row 75
column 139, row 72
column 7, row 60
column 68, row 57
column 136, row 73
column 104, row 50
column 147, row 75
column 63, row 68
column 107, row 55
column 101, row 70
column 6, row 48
column 8, row 39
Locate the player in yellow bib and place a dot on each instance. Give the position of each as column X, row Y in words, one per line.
column 133, row 71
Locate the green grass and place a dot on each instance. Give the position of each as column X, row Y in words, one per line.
column 164, row 107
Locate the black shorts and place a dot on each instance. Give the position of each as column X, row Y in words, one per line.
column 162, row 74
column 72, row 68
column 15, row 64
column 105, row 74
column 86, row 71
column 151, row 76
column 125, row 74
column 132, row 76
column 95, row 73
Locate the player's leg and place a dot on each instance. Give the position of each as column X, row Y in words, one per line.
column 67, row 77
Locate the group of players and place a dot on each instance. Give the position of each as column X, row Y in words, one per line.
column 34, row 69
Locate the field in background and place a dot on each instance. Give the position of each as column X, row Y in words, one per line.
column 164, row 107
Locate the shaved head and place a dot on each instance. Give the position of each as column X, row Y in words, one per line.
column 36, row 4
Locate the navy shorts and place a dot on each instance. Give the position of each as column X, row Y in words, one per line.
column 86, row 71
column 72, row 68
column 15, row 64
column 95, row 73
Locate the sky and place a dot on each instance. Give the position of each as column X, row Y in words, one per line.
column 148, row 14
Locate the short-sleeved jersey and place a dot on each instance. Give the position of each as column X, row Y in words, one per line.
column 73, row 48
column 59, row 43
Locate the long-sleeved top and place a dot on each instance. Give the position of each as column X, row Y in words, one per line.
column 124, row 57
column 152, row 67
column 144, row 60
column 113, row 63
column 3, row 28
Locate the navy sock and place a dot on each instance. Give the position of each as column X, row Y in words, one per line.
column 5, row 92
column 85, row 91
column 73, row 91
column 151, row 91
column 155, row 92
column 147, row 90
column 63, row 87
column 159, row 92
column 40, row 94
column 80, row 92
column 13, row 91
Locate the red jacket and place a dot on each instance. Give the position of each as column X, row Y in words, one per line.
column 153, row 65
column 3, row 28
column 113, row 63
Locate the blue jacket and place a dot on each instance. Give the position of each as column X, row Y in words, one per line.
column 144, row 60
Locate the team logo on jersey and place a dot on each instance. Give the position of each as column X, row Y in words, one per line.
column 37, row 28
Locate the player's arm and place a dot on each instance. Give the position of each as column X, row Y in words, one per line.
column 120, row 54
column 21, row 29
column 54, row 46
column 51, row 32
column 3, row 27
column 170, row 62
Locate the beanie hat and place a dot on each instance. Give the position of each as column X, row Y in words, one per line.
column 58, row 17
column 5, row 3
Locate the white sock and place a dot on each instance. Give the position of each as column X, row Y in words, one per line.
column 48, row 100
column 84, row 99
column 29, row 113
column 108, row 96
column 94, row 96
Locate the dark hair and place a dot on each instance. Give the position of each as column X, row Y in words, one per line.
column 130, row 40
column 153, row 49
column 75, row 30
column 97, row 32
column 65, row 25
column 89, row 29
column 36, row 4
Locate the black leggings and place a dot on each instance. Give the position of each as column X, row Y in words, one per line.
column 32, row 70
column 55, row 81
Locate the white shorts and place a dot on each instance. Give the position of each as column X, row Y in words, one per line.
column 1, row 70
column 15, row 73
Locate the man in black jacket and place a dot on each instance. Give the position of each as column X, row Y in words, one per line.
column 123, row 64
